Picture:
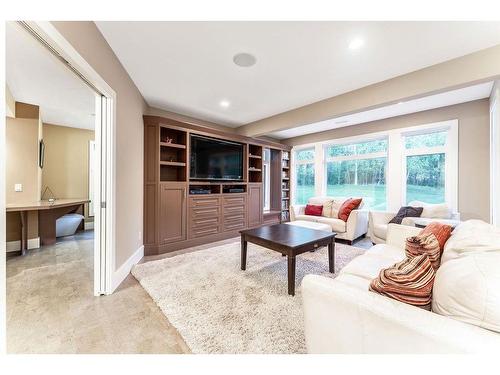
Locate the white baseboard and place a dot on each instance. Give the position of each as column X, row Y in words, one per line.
column 33, row 243
column 121, row 273
column 88, row 225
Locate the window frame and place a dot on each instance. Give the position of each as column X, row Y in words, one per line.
column 266, row 182
column 349, row 141
column 450, row 151
column 294, row 162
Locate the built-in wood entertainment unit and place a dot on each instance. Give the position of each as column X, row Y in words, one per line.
column 180, row 211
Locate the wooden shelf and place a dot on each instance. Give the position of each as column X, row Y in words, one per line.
column 285, row 198
column 173, row 145
column 173, row 163
column 285, row 178
column 254, row 156
column 254, row 170
column 285, row 189
column 286, row 168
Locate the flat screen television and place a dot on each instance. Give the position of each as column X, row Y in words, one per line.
column 215, row 159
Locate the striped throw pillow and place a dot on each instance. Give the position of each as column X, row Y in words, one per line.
column 409, row 281
column 427, row 244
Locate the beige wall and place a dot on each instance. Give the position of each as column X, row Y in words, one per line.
column 473, row 148
column 66, row 163
column 21, row 166
column 130, row 106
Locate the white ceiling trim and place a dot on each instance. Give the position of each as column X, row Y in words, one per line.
column 445, row 99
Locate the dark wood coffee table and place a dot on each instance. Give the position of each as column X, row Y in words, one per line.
column 290, row 241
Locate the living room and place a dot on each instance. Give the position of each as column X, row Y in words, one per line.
column 262, row 189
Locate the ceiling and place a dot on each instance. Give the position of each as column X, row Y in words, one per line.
column 187, row 67
column 37, row 77
column 452, row 97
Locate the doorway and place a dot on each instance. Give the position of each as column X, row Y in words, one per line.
column 100, row 192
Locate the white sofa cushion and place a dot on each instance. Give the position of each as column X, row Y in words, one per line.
column 337, row 225
column 354, row 281
column 310, row 224
column 380, row 230
column 468, row 289
column 388, row 251
column 433, row 211
column 307, row 218
column 471, row 237
column 368, row 265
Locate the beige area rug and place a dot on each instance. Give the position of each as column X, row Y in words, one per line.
column 217, row 308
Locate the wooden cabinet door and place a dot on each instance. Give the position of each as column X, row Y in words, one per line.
column 254, row 205
column 172, row 223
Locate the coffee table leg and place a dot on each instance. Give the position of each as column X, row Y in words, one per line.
column 291, row 275
column 331, row 257
column 243, row 253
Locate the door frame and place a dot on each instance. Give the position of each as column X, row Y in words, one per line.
column 105, row 138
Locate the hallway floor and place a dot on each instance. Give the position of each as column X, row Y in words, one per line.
column 51, row 307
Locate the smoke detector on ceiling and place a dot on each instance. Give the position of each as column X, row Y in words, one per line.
column 244, row 60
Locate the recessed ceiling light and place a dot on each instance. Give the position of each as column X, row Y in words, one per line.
column 224, row 103
column 244, row 59
column 356, row 43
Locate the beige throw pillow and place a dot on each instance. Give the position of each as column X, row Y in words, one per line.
column 336, row 204
column 327, row 208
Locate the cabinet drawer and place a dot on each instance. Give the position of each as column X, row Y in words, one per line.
column 234, row 217
column 234, row 209
column 204, row 231
column 204, row 201
column 232, row 201
column 204, row 221
column 234, row 225
column 197, row 212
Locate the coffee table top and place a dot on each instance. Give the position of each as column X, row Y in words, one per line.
column 288, row 235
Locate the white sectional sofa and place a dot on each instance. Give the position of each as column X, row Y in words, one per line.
column 343, row 316
column 355, row 227
column 378, row 220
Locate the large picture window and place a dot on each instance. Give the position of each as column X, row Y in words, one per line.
column 358, row 170
column 388, row 169
column 304, row 175
column 425, row 164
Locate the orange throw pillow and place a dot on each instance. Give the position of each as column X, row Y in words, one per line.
column 347, row 207
column 441, row 231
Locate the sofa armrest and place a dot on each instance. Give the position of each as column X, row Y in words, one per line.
column 297, row 209
column 397, row 234
column 357, row 224
column 341, row 319
column 381, row 217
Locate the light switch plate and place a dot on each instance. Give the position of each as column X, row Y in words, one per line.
column 18, row 187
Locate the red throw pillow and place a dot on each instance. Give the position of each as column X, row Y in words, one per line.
column 314, row 210
column 441, row 231
column 347, row 207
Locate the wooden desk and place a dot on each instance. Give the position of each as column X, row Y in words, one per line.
column 48, row 213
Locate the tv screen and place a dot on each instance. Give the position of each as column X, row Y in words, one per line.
column 215, row 159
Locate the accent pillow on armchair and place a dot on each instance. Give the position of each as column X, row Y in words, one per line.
column 406, row 211
column 347, row 207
